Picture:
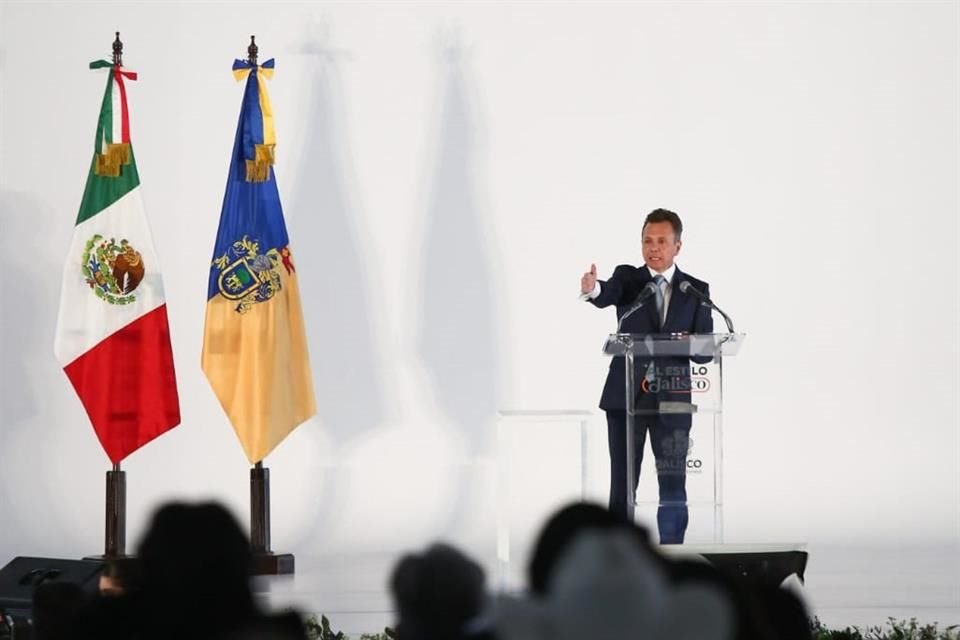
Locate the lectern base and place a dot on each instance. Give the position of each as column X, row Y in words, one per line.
column 764, row 564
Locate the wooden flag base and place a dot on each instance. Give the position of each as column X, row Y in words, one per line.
column 265, row 561
column 273, row 564
column 115, row 528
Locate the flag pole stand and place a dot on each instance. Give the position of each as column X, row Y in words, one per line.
column 115, row 528
column 115, row 511
column 265, row 561
column 115, row 544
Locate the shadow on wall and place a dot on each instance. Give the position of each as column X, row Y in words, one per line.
column 334, row 281
column 22, row 314
column 458, row 337
column 35, row 429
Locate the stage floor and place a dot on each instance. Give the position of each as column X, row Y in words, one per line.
column 844, row 586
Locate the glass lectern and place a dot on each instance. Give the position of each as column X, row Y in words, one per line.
column 685, row 374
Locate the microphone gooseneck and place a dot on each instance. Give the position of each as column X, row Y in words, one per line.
column 688, row 288
column 648, row 290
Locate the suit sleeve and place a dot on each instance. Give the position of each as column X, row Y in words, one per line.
column 612, row 290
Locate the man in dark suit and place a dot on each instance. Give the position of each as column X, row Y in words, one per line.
column 662, row 384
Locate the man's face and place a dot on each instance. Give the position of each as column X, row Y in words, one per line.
column 660, row 246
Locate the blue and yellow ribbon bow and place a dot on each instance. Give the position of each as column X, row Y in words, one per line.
column 258, row 137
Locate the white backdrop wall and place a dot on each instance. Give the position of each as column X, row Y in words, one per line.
column 448, row 171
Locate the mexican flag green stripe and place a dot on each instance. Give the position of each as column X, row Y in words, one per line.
column 105, row 123
column 102, row 191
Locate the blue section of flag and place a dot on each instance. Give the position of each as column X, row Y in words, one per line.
column 250, row 209
column 251, row 126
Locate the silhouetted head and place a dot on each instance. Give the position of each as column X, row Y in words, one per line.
column 195, row 566
column 563, row 527
column 605, row 585
column 437, row 594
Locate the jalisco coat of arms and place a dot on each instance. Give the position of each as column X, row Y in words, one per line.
column 248, row 276
column 112, row 270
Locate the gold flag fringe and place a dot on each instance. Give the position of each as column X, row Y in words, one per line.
column 258, row 169
column 108, row 164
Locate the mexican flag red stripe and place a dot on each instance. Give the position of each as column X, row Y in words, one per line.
column 113, row 336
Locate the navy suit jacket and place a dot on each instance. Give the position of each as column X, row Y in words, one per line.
column 685, row 314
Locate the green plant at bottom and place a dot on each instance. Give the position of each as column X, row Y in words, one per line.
column 893, row 630
column 320, row 630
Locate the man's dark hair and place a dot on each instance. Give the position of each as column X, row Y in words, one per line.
column 664, row 215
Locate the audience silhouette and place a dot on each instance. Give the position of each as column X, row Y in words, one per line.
column 592, row 574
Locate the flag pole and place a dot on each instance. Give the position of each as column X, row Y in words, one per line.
column 265, row 561
column 115, row 505
column 115, row 534
column 117, row 254
column 117, row 50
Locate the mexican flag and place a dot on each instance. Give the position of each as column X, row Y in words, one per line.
column 113, row 338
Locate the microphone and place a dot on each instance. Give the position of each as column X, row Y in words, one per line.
column 688, row 288
column 648, row 290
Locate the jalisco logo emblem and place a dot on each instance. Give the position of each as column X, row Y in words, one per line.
column 248, row 276
column 676, row 450
column 677, row 379
column 112, row 270
column 677, row 444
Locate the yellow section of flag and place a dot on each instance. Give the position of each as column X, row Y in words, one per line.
column 258, row 365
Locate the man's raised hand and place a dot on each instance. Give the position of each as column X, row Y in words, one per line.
column 589, row 280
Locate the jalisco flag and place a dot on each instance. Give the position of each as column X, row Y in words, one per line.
column 113, row 338
column 254, row 343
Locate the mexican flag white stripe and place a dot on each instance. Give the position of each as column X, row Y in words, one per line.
column 85, row 319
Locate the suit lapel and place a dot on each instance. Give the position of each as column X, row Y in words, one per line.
column 651, row 305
